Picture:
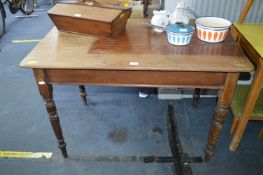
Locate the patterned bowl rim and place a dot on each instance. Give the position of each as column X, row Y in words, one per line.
column 180, row 34
column 210, row 28
column 226, row 27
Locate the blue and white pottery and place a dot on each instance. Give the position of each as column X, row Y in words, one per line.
column 179, row 34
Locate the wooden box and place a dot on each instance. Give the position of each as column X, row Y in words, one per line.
column 104, row 21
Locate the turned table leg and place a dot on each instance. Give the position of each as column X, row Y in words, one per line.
column 45, row 90
column 251, row 100
column 196, row 97
column 83, row 94
column 260, row 134
column 224, row 99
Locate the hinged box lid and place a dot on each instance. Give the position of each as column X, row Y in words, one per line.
column 96, row 19
column 86, row 12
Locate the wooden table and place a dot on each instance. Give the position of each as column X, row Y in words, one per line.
column 138, row 57
column 249, row 36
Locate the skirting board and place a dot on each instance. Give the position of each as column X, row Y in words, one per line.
column 176, row 94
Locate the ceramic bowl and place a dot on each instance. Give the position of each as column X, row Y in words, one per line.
column 179, row 34
column 212, row 29
column 179, row 39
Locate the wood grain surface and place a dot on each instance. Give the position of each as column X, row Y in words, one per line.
column 138, row 48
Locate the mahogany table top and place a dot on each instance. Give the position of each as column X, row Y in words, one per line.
column 137, row 48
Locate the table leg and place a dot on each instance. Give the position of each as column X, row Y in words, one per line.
column 83, row 94
column 196, row 97
column 260, row 134
column 251, row 100
column 224, row 98
column 45, row 90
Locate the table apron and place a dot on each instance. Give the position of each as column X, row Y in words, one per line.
column 136, row 78
column 250, row 51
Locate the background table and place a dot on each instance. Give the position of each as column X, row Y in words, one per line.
column 249, row 36
column 137, row 57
